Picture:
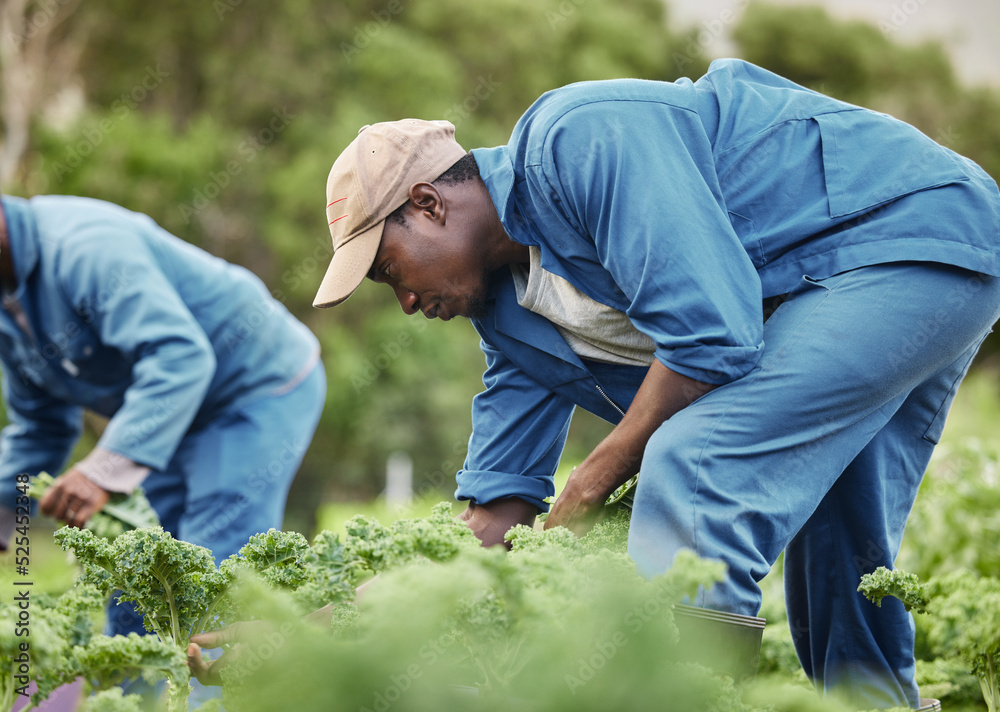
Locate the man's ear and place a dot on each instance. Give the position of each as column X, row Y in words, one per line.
column 428, row 201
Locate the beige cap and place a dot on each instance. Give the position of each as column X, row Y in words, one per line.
column 368, row 181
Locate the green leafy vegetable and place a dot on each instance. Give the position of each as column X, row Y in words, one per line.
column 898, row 584
column 113, row 700
column 176, row 585
column 63, row 647
column 963, row 618
column 559, row 622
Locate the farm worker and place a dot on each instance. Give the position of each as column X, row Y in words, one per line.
column 615, row 256
column 212, row 388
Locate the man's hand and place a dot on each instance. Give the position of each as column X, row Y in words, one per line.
column 73, row 498
column 490, row 521
column 580, row 504
column 618, row 456
column 209, row 672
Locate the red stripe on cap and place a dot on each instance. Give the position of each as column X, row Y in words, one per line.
column 335, row 202
column 340, row 218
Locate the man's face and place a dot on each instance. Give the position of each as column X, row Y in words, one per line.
column 433, row 266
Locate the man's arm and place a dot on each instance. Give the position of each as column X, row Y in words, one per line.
column 617, row 457
column 111, row 275
column 519, row 428
column 651, row 204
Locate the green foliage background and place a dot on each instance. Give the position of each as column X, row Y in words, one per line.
column 221, row 120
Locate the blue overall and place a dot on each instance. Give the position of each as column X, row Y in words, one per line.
column 684, row 205
column 204, row 377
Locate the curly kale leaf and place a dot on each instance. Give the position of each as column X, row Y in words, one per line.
column 963, row 618
column 331, row 573
column 898, row 584
column 965, row 623
column 438, row 537
column 49, row 633
column 108, row 660
column 113, row 700
column 275, row 559
column 277, row 556
column 58, row 626
column 171, row 582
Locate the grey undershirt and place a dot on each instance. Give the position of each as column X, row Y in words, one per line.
column 593, row 330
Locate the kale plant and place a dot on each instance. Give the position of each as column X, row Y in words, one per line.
column 62, row 647
column 176, row 585
column 963, row 618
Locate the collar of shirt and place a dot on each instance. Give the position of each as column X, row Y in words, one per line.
column 497, row 171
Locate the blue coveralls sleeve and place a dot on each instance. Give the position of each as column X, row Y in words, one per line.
column 519, row 430
column 638, row 179
column 40, row 433
column 110, row 274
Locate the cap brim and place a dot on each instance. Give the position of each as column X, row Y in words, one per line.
column 348, row 267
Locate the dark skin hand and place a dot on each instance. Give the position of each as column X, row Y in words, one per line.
column 489, row 522
column 617, row 457
column 73, row 498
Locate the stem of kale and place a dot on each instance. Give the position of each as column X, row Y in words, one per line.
column 990, row 685
column 175, row 626
column 7, row 691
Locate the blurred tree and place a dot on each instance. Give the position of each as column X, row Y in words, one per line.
column 38, row 60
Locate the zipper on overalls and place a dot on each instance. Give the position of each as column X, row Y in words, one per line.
column 608, row 399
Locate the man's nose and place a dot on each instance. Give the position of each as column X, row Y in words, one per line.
column 407, row 300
